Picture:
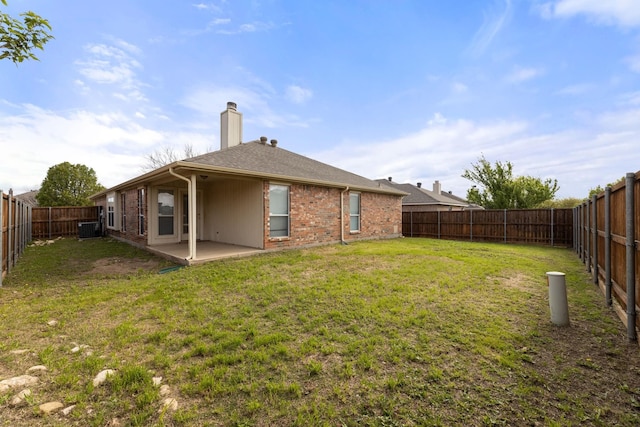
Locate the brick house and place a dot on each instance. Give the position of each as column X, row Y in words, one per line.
column 250, row 195
column 420, row 199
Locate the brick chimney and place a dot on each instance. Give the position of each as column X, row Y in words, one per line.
column 230, row 126
column 437, row 188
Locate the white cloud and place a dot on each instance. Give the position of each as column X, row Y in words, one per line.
column 298, row 95
column 254, row 102
column 113, row 144
column 444, row 148
column 493, row 22
column 634, row 61
column 623, row 13
column 208, row 6
column 458, row 87
column 252, row 27
column 114, row 66
column 577, row 89
column 522, row 74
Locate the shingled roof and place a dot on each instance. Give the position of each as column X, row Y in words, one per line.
column 261, row 160
column 266, row 160
column 421, row 196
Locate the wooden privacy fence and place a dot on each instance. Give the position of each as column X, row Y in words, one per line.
column 61, row 221
column 607, row 233
column 15, row 231
column 534, row 226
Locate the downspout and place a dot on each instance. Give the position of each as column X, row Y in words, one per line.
column 171, row 172
column 342, row 215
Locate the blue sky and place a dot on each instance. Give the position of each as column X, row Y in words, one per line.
column 416, row 90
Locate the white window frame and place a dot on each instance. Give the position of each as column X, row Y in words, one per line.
column 357, row 216
column 287, row 215
column 123, row 212
column 174, row 193
column 111, row 211
column 141, row 206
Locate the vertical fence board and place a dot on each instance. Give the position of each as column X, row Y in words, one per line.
column 536, row 226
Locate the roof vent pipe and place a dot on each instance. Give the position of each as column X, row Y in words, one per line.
column 390, row 179
column 232, row 106
column 263, row 140
column 274, row 142
column 419, row 185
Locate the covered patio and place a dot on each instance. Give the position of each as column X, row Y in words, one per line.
column 205, row 251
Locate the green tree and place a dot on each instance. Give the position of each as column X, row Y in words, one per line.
column 569, row 202
column 597, row 190
column 497, row 188
column 18, row 38
column 68, row 185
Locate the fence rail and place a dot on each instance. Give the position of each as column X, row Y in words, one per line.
column 606, row 238
column 52, row 222
column 15, row 231
column 534, row 226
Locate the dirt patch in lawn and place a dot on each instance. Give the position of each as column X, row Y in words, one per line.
column 124, row 266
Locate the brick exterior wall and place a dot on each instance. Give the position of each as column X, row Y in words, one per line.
column 130, row 232
column 380, row 216
column 314, row 216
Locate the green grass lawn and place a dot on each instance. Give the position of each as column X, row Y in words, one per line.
column 402, row 332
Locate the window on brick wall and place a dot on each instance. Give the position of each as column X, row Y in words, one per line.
column 111, row 210
column 278, row 210
column 123, row 212
column 141, row 211
column 354, row 212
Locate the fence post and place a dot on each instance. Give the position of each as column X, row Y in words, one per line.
column 576, row 233
column 551, row 227
column 594, row 220
column 631, row 254
column 505, row 226
column 438, row 224
column 580, row 231
column 9, row 233
column 1, row 235
column 588, row 234
column 411, row 223
column 50, row 223
column 607, row 245
column 471, row 225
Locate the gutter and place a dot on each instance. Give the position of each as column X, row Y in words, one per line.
column 342, row 215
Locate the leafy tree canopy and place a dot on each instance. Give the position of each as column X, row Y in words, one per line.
column 569, row 202
column 497, row 188
column 68, row 185
column 18, row 38
column 597, row 190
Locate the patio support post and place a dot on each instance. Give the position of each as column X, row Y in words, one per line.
column 190, row 195
column 193, row 217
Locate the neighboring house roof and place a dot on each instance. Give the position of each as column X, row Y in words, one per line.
column 263, row 160
column 29, row 197
column 422, row 196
